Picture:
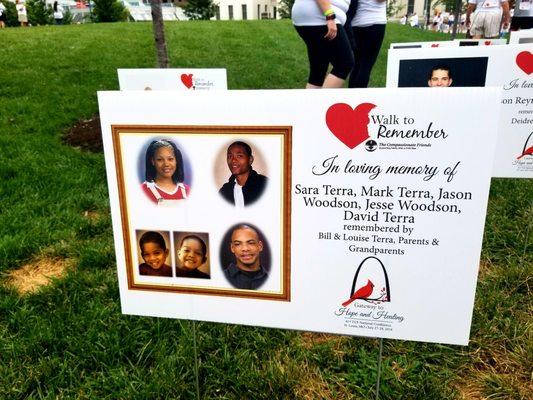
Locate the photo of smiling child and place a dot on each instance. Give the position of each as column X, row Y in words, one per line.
column 192, row 256
column 155, row 253
column 164, row 173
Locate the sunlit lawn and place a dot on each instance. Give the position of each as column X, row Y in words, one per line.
column 70, row 340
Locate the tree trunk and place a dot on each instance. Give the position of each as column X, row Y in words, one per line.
column 428, row 14
column 457, row 17
column 159, row 34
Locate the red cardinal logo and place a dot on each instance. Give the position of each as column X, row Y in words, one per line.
column 435, row 45
column 187, row 80
column 349, row 125
column 361, row 293
column 487, row 42
column 524, row 60
column 528, row 151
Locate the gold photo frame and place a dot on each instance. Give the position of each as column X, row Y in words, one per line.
column 202, row 209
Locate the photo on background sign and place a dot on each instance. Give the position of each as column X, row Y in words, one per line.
column 466, row 43
column 153, row 253
column 464, row 72
column 164, row 171
column 241, row 165
column 245, row 256
column 191, row 251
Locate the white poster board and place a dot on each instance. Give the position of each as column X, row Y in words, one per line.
column 371, row 223
column 419, row 45
column 479, row 42
column 509, row 67
column 523, row 36
column 185, row 79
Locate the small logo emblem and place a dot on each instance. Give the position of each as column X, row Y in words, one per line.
column 371, row 145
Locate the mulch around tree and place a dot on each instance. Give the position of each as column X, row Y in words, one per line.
column 85, row 134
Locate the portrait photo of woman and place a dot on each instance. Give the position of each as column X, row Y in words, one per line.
column 164, row 174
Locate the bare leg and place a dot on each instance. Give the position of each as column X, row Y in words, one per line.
column 311, row 86
column 333, row 82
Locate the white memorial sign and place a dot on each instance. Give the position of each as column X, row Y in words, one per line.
column 448, row 43
column 185, row 79
column 509, row 67
column 370, row 223
column 523, row 36
column 419, row 45
column 480, row 42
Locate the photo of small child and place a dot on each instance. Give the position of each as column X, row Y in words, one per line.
column 191, row 255
column 155, row 253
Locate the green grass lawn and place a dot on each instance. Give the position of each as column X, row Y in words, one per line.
column 69, row 340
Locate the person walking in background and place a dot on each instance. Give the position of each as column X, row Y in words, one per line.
column 2, row 15
column 320, row 24
column 58, row 13
column 403, row 20
column 462, row 23
column 368, row 28
column 435, row 21
column 451, row 20
column 413, row 20
column 22, row 13
column 487, row 18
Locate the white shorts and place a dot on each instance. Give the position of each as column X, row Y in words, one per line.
column 486, row 24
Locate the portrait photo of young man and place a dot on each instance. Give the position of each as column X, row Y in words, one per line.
column 246, row 270
column 245, row 185
column 440, row 76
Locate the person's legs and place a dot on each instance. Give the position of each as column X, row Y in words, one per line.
column 368, row 42
column 313, row 36
column 477, row 27
column 492, row 26
column 341, row 58
column 333, row 82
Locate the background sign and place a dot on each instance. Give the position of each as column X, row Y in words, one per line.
column 375, row 206
column 419, row 45
column 480, row 42
column 523, row 36
column 509, row 67
column 187, row 79
column 448, row 43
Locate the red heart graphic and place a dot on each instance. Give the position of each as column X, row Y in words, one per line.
column 187, row 80
column 435, row 45
column 487, row 42
column 524, row 60
column 349, row 125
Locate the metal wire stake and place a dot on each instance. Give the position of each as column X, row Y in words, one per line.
column 379, row 367
column 527, row 238
column 196, row 367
